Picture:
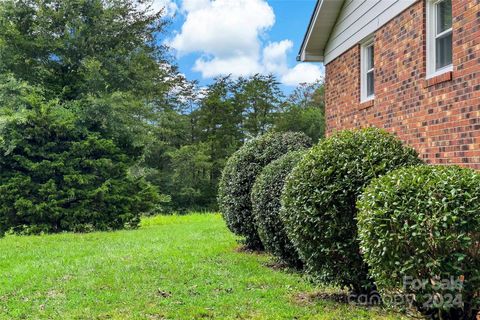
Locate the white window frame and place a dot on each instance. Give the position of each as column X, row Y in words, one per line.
column 363, row 69
column 431, row 41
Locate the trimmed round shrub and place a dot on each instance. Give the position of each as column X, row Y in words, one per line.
column 266, row 194
column 320, row 196
column 419, row 230
column 239, row 175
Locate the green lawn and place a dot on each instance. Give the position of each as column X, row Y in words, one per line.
column 173, row 267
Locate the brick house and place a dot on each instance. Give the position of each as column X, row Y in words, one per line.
column 411, row 67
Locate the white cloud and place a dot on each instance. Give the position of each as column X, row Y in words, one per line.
column 192, row 5
column 275, row 56
column 303, row 72
column 229, row 36
column 236, row 66
column 223, row 27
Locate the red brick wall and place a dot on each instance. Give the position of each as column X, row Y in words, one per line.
column 441, row 117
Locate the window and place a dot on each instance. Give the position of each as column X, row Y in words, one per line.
column 367, row 82
column 439, row 36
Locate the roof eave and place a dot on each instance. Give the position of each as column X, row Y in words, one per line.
column 323, row 18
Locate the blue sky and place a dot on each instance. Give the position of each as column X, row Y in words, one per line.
column 240, row 37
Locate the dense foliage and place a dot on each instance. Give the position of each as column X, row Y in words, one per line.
column 57, row 176
column 191, row 178
column 74, row 48
column 320, row 196
column 240, row 173
column 304, row 111
column 266, row 193
column 423, row 223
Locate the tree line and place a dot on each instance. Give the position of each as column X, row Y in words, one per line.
column 86, row 78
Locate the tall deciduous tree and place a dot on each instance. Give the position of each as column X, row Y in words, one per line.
column 260, row 98
column 304, row 111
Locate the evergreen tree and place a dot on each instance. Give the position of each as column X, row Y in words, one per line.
column 73, row 48
column 55, row 175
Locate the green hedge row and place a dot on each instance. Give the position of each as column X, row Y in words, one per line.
column 361, row 211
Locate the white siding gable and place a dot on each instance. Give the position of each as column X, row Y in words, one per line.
column 358, row 19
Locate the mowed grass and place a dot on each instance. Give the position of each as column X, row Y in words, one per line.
column 173, row 267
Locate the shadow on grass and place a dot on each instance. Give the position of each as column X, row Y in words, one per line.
column 306, row 298
column 245, row 249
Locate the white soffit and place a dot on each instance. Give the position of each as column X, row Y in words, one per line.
column 321, row 23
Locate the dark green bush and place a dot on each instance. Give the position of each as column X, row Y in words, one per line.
column 240, row 173
column 424, row 223
column 57, row 176
column 266, row 194
column 320, row 196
